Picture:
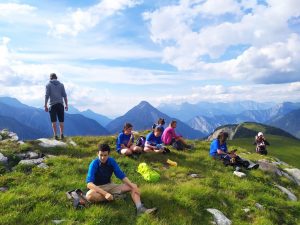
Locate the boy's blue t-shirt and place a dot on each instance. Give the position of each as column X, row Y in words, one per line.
column 100, row 173
column 215, row 145
column 123, row 139
column 152, row 139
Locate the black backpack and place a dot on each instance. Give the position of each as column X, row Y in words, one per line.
column 141, row 141
column 78, row 198
column 178, row 145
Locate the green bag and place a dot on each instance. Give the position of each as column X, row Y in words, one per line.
column 147, row 173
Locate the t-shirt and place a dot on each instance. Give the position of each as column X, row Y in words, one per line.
column 123, row 139
column 168, row 135
column 151, row 139
column 215, row 145
column 100, row 173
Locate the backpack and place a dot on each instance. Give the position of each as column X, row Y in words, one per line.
column 78, row 198
column 141, row 141
column 178, row 145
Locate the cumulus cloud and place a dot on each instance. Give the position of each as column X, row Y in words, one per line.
column 84, row 19
column 13, row 9
column 260, row 27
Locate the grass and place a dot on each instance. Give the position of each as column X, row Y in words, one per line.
column 37, row 196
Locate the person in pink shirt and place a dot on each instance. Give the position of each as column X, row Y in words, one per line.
column 169, row 137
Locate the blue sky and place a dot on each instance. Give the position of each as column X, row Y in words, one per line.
column 112, row 54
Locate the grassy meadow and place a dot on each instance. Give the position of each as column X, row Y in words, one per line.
column 37, row 196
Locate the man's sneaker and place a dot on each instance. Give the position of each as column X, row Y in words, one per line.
column 143, row 209
column 62, row 136
column 237, row 168
column 55, row 137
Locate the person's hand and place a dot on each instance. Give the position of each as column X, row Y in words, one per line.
column 46, row 108
column 109, row 197
column 66, row 108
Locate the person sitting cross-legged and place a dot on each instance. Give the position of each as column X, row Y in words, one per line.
column 99, row 181
column 154, row 142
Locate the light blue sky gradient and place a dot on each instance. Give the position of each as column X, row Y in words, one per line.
column 112, row 54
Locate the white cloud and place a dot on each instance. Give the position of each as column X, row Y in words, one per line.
column 8, row 10
column 84, row 19
column 263, row 30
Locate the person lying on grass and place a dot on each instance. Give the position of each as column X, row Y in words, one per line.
column 169, row 137
column 154, row 142
column 125, row 141
column 218, row 150
column 99, row 181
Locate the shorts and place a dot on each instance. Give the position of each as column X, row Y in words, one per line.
column 112, row 188
column 57, row 111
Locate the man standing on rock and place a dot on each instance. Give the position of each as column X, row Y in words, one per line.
column 55, row 91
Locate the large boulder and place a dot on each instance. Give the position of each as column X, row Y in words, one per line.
column 47, row 143
column 264, row 165
column 219, row 217
column 295, row 173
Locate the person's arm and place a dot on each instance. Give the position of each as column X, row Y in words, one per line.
column 47, row 95
column 219, row 150
column 64, row 95
column 99, row 190
column 131, row 140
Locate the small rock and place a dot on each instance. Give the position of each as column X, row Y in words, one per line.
column 21, row 142
column 47, row 143
column 219, row 217
column 3, row 189
column 3, row 159
column 58, row 221
column 290, row 195
column 13, row 136
column 259, row 206
column 73, row 143
column 246, row 210
column 21, row 155
column 32, row 155
column 295, row 173
column 43, row 166
column 194, row 175
column 31, row 161
column 239, row 174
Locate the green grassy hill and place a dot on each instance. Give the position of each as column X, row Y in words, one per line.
column 283, row 146
column 37, row 196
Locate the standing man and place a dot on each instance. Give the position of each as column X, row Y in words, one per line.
column 56, row 92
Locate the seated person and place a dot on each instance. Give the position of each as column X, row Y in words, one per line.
column 261, row 144
column 99, row 181
column 160, row 123
column 169, row 137
column 125, row 141
column 154, row 142
column 218, row 150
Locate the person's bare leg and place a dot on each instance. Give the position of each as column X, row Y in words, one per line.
column 61, row 128
column 54, row 128
column 93, row 196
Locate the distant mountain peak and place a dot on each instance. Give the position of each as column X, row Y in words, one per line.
column 143, row 104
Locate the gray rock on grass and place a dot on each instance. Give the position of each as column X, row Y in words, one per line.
column 219, row 217
column 264, row 165
column 32, row 155
column 43, row 166
column 290, row 195
column 31, row 161
column 239, row 174
column 259, row 206
column 295, row 173
column 47, row 143
column 3, row 159
column 3, row 189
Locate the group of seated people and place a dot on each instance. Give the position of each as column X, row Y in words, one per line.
column 156, row 141
column 101, row 169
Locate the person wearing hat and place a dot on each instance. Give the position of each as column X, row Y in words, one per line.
column 55, row 91
column 261, row 144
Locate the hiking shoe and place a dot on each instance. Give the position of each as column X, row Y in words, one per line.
column 237, row 168
column 62, row 136
column 55, row 137
column 143, row 209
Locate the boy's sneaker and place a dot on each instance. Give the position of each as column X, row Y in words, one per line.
column 143, row 209
column 55, row 137
column 62, row 136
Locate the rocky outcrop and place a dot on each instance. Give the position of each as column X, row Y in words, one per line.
column 290, row 195
column 295, row 173
column 3, row 159
column 47, row 143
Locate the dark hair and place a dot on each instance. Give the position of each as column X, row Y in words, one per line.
column 159, row 129
column 161, row 121
column 104, row 148
column 173, row 121
column 126, row 126
column 53, row 76
column 222, row 134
